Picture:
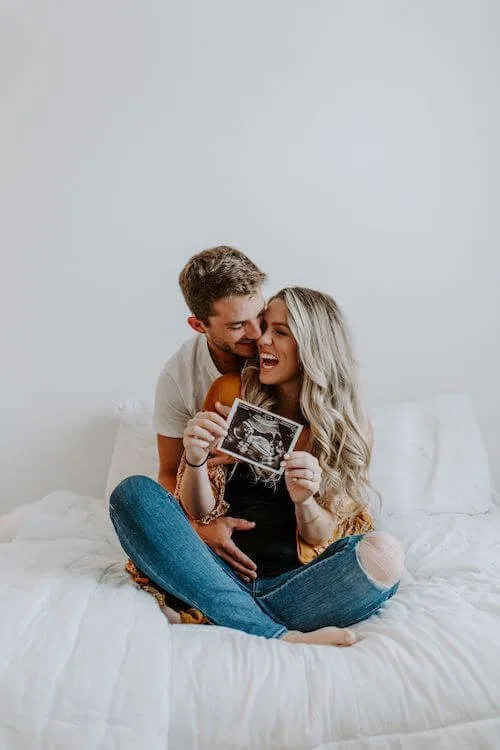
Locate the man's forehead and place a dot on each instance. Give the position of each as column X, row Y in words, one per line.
column 239, row 307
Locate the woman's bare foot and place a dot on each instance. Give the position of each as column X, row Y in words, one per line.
column 329, row 636
column 172, row 616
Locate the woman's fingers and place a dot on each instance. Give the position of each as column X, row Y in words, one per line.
column 204, row 430
column 198, row 443
column 309, row 474
column 207, row 424
column 296, row 469
column 300, row 460
column 197, row 432
column 212, row 416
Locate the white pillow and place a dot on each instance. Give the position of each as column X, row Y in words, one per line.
column 135, row 449
column 428, row 455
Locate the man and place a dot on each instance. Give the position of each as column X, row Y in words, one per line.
column 223, row 291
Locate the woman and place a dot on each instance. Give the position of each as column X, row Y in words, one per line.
column 320, row 567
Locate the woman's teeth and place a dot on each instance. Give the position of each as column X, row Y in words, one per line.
column 268, row 361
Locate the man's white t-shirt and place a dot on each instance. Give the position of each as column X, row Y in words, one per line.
column 182, row 386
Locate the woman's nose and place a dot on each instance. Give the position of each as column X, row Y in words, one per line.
column 265, row 339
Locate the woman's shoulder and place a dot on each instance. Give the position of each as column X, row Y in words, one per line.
column 225, row 389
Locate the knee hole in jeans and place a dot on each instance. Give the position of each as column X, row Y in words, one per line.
column 381, row 557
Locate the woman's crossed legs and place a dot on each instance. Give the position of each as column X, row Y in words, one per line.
column 346, row 584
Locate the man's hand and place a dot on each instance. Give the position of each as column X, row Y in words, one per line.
column 217, row 534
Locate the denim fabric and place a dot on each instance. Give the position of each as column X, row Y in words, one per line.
column 156, row 535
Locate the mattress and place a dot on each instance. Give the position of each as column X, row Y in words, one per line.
column 87, row 660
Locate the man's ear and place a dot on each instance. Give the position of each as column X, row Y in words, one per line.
column 196, row 324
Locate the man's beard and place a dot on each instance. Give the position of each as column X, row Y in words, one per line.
column 223, row 346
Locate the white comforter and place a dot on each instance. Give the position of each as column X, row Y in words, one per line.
column 88, row 661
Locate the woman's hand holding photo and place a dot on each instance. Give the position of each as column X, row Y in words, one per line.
column 302, row 475
column 221, row 459
column 200, row 435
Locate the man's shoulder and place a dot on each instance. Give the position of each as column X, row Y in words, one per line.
column 181, row 386
column 225, row 389
column 194, row 349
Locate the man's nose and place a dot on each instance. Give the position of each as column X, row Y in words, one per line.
column 253, row 330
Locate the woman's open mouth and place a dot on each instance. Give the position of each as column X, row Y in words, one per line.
column 268, row 361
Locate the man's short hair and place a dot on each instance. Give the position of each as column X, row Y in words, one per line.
column 217, row 273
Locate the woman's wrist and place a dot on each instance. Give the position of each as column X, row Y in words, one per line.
column 308, row 506
column 313, row 523
column 307, row 512
column 196, row 463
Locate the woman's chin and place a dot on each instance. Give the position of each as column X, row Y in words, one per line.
column 267, row 377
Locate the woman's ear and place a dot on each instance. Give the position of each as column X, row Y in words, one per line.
column 196, row 324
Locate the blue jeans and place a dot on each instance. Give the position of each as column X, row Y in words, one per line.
column 155, row 533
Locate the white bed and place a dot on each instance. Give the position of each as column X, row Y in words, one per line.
column 88, row 661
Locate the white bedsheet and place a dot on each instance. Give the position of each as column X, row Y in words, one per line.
column 88, row 661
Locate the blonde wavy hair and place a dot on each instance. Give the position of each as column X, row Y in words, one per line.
column 329, row 398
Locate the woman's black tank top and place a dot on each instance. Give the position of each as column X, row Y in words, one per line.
column 271, row 544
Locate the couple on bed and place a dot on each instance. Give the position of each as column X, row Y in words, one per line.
column 294, row 558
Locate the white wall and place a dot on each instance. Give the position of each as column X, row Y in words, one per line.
column 349, row 145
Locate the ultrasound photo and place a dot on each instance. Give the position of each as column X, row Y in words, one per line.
column 259, row 436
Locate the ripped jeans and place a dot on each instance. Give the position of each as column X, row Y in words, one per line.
column 333, row 589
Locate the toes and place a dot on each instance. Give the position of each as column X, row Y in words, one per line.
column 349, row 637
column 340, row 636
